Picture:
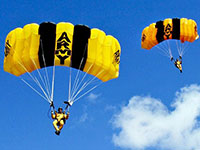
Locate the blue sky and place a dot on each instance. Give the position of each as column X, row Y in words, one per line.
column 146, row 90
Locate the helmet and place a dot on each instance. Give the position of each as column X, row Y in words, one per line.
column 60, row 108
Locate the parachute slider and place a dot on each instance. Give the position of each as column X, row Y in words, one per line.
column 69, row 103
column 52, row 105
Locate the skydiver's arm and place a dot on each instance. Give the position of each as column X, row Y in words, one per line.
column 67, row 115
column 53, row 116
column 56, row 114
column 52, row 107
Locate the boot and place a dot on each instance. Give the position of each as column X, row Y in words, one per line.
column 57, row 132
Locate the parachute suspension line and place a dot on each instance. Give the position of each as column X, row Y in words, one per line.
column 34, row 90
column 75, row 82
column 164, row 51
column 74, row 92
column 185, row 48
column 82, row 80
column 182, row 48
column 169, row 50
column 45, row 85
column 87, row 92
column 165, row 46
column 178, row 48
column 82, row 88
column 77, row 74
column 85, row 85
column 70, row 78
column 76, row 85
column 68, row 109
column 45, row 77
column 35, row 80
column 53, row 81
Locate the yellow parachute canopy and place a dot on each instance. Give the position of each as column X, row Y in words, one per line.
column 64, row 44
column 181, row 29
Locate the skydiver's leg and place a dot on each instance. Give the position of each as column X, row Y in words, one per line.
column 61, row 125
column 55, row 125
column 176, row 65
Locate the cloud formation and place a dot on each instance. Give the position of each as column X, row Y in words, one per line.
column 93, row 97
column 147, row 123
column 83, row 118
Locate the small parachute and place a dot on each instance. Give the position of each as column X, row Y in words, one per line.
column 34, row 47
column 175, row 29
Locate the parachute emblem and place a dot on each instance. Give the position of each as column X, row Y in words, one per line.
column 117, row 57
column 168, row 30
column 63, row 51
column 7, row 48
column 143, row 37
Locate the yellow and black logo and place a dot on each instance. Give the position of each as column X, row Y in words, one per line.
column 168, row 30
column 7, row 48
column 195, row 29
column 143, row 37
column 63, row 51
column 117, row 57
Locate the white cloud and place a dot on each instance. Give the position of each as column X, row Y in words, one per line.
column 83, row 118
column 93, row 97
column 110, row 108
column 147, row 123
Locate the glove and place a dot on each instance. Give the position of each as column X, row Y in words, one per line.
column 51, row 104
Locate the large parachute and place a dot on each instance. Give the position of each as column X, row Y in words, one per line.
column 36, row 46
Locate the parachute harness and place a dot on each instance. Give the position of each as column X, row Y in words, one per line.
column 52, row 107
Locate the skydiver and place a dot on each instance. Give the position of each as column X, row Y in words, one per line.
column 178, row 63
column 60, row 118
